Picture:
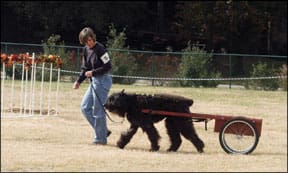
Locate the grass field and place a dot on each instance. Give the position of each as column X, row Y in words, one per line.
column 64, row 142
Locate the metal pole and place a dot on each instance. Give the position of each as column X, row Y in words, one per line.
column 12, row 87
column 22, row 89
column 31, row 85
column 49, row 94
column 78, row 60
column 230, row 70
column 34, row 66
column 41, row 92
column 152, row 68
column 58, row 81
column 2, row 88
column 25, row 93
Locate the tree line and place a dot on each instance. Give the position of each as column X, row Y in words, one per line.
column 256, row 27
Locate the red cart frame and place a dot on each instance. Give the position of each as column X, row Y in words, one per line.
column 236, row 134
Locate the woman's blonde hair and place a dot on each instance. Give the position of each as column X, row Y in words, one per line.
column 85, row 34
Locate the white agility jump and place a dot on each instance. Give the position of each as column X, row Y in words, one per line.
column 26, row 98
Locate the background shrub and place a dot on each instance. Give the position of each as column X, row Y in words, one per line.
column 263, row 70
column 122, row 62
column 198, row 64
column 283, row 79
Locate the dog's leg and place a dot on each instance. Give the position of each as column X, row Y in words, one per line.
column 188, row 131
column 173, row 134
column 153, row 135
column 126, row 136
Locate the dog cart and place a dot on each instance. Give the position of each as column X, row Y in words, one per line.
column 238, row 135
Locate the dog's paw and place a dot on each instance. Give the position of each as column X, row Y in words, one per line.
column 154, row 148
column 200, row 147
column 171, row 150
column 120, row 145
column 200, row 150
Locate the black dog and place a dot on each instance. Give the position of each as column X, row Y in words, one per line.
column 131, row 105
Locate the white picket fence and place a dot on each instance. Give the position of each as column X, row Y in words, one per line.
column 29, row 101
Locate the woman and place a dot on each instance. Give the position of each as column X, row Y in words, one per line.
column 95, row 65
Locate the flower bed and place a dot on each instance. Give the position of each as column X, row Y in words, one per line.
column 20, row 58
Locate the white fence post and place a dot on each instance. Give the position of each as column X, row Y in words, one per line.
column 27, row 93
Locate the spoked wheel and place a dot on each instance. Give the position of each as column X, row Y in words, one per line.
column 239, row 136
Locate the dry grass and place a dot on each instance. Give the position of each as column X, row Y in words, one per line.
column 64, row 142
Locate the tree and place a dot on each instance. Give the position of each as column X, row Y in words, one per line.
column 257, row 27
column 238, row 26
column 122, row 63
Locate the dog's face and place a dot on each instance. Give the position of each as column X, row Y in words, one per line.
column 117, row 103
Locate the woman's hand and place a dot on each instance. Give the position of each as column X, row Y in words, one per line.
column 88, row 74
column 76, row 85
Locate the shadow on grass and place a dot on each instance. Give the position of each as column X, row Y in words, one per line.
column 192, row 152
column 131, row 148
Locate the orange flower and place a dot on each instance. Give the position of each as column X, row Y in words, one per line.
column 27, row 57
column 13, row 57
column 52, row 58
column 36, row 60
column 58, row 62
column 21, row 57
column 4, row 58
column 9, row 63
column 28, row 64
column 44, row 58
column 41, row 58
column 48, row 58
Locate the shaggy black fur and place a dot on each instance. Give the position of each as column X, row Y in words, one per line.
column 131, row 105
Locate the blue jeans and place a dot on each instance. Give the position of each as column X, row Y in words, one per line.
column 93, row 109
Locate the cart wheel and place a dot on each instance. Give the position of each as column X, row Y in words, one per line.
column 238, row 136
